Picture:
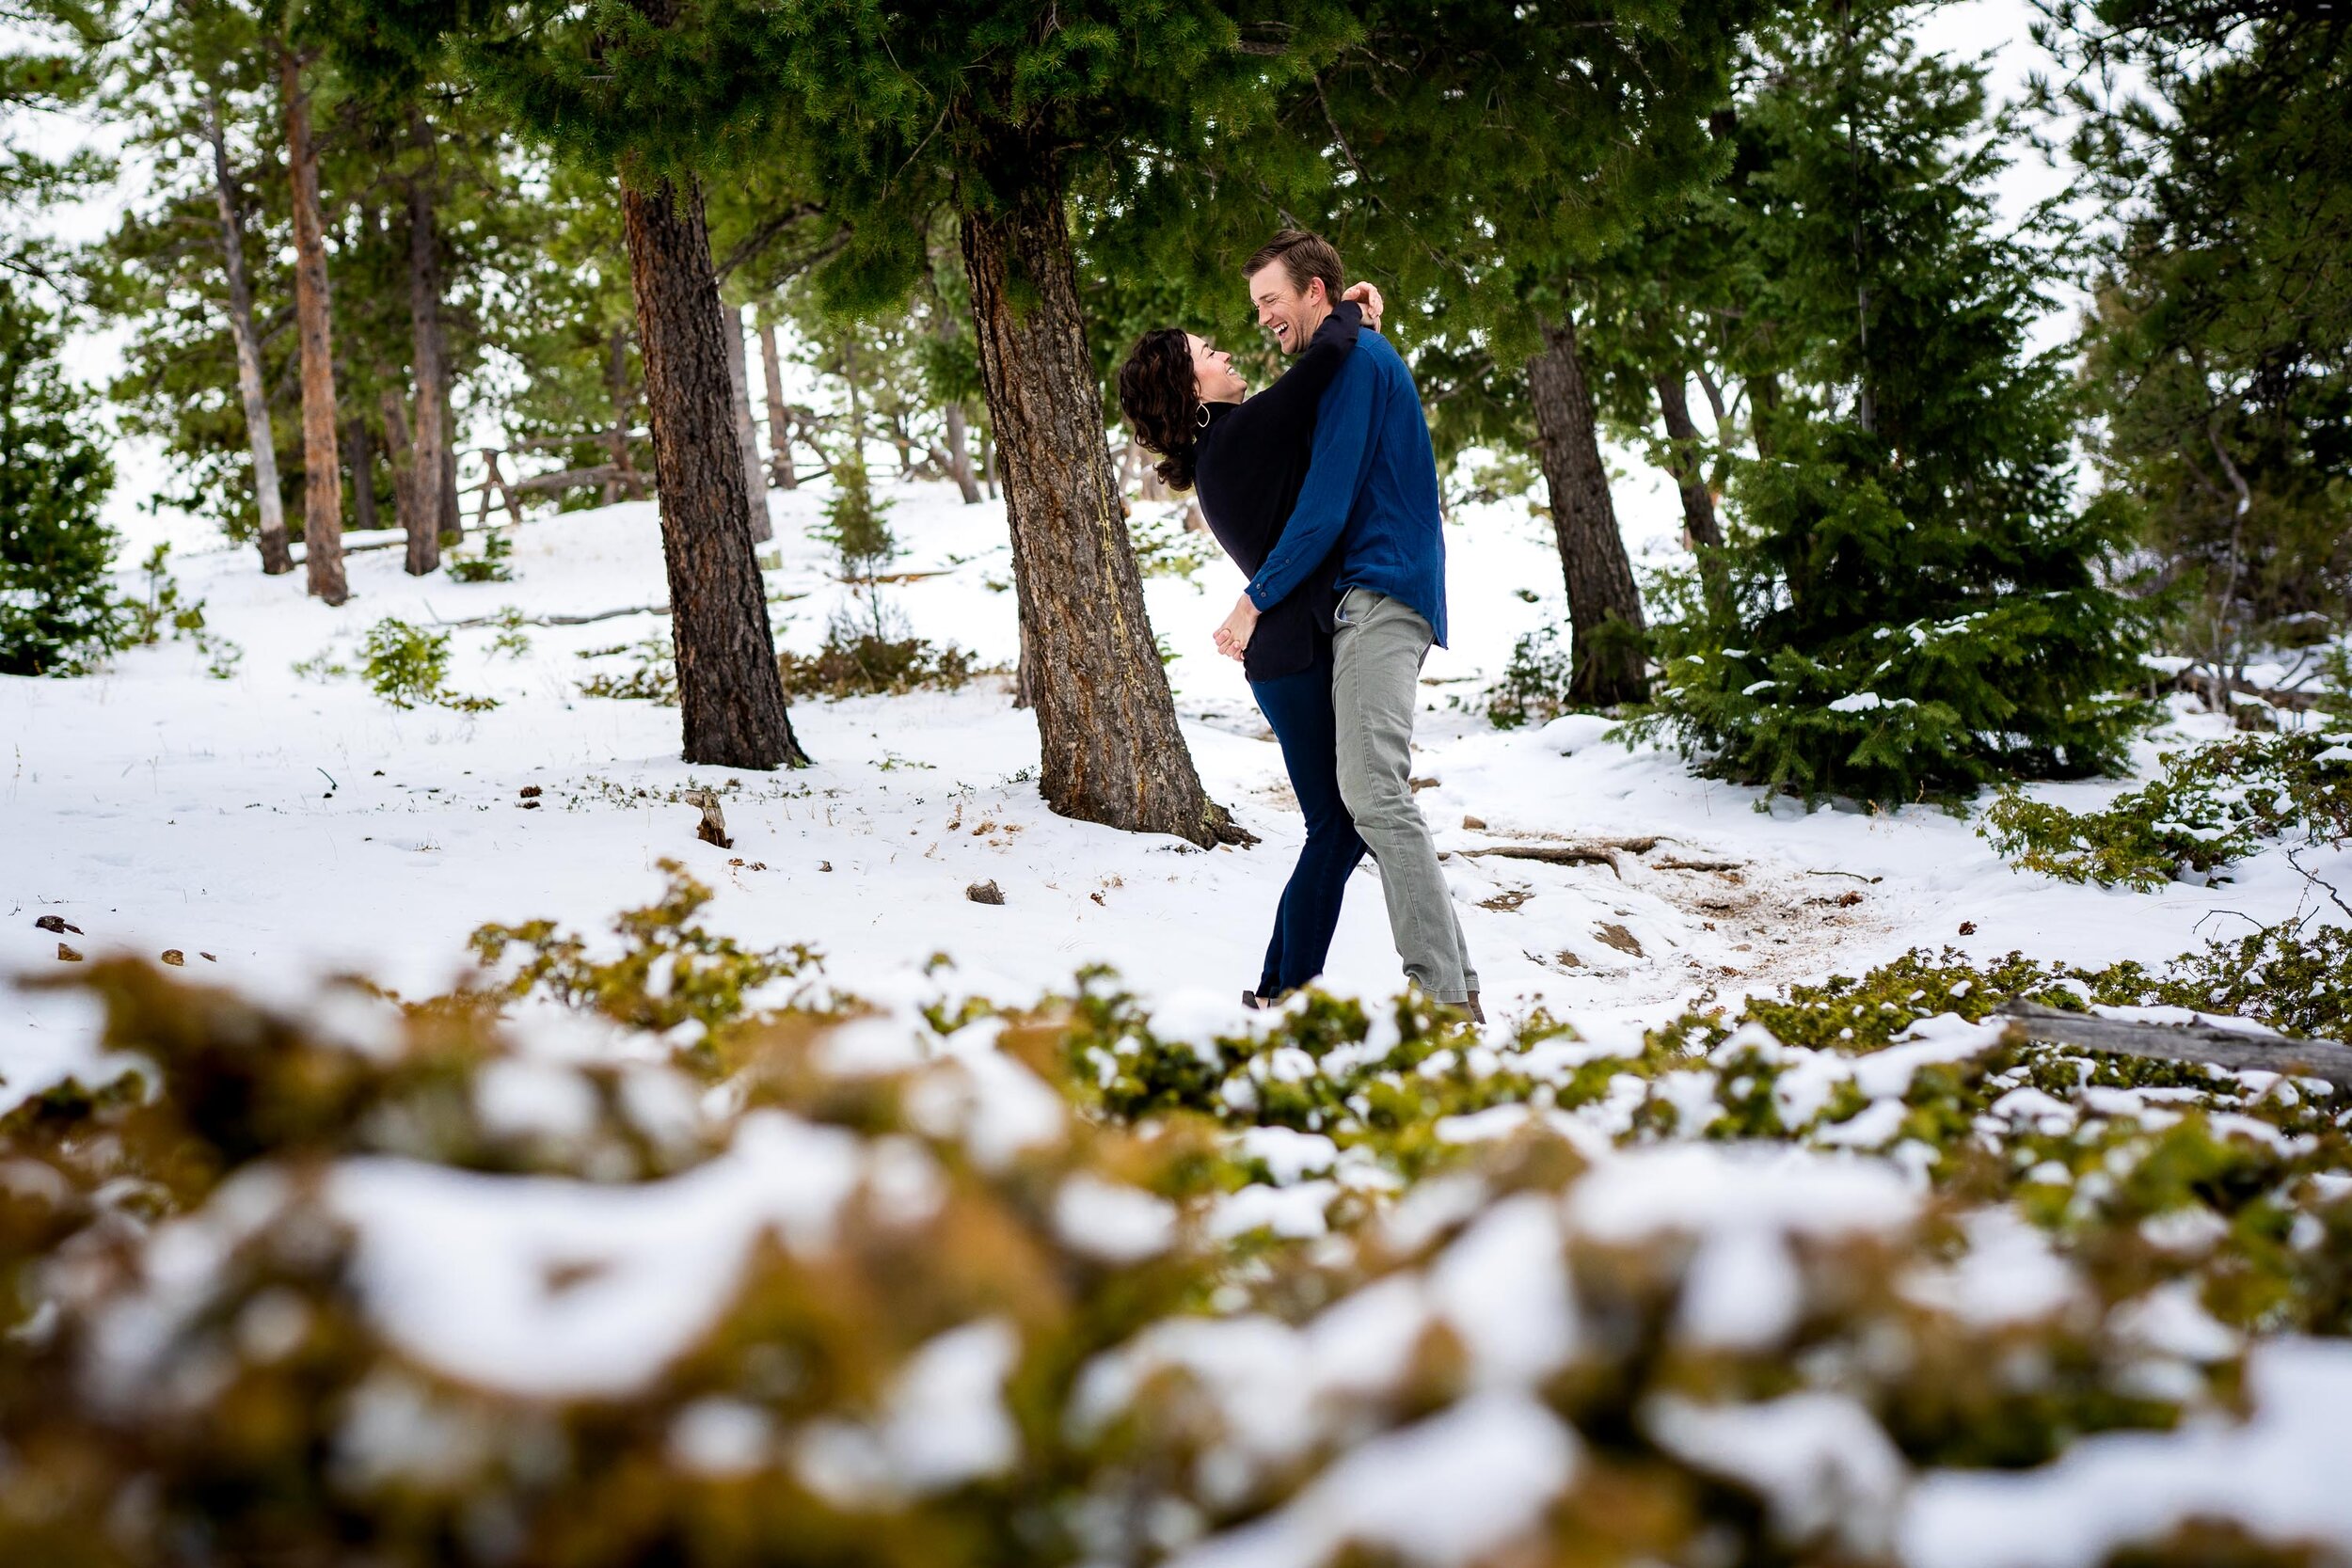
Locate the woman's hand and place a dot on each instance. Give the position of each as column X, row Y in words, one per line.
column 1232, row 638
column 1367, row 295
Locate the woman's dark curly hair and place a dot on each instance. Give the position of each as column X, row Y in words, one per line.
column 1161, row 398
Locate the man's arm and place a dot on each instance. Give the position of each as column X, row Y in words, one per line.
column 1342, row 441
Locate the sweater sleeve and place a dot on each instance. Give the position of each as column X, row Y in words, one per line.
column 1342, row 442
column 1287, row 410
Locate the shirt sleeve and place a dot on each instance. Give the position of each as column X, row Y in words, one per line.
column 1287, row 410
column 1342, row 443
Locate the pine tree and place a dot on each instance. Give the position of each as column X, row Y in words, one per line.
column 1477, row 158
column 1913, row 603
column 1000, row 114
column 56, row 610
column 622, row 91
column 2219, row 355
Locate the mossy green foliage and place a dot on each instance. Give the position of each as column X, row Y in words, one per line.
column 2211, row 806
column 668, row 970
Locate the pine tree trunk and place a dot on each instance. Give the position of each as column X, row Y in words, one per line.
column 1606, row 666
column 616, row 385
column 398, row 450
column 958, row 425
column 277, row 555
column 779, row 412
column 959, row 454
column 988, row 461
column 1110, row 749
column 1698, row 501
column 362, row 460
column 322, row 487
column 747, row 438
column 730, row 693
column 431, row 512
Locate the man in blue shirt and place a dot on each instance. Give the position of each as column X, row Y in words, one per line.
column 1371, row 497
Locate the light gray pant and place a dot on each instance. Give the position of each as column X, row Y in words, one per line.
column 1377, row 653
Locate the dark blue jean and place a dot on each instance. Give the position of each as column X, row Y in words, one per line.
column 1299, row 708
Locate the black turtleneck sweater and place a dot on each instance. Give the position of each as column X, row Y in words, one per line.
column 1248, row 467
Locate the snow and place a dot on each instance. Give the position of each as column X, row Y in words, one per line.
column 2279, row 1474
column 291, row 827
column 275, row 829
column 1444, row 1494
column 549, row 1287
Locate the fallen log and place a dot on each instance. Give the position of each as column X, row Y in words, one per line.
column 2182, row 1043
column 559, row 620
column 1552, row 854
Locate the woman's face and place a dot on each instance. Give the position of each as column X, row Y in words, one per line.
column 1213, row 373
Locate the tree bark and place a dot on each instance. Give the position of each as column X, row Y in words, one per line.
column 1109, row 747
column 624, row 398
column 746, row 438
column 401, row 454
column 432, row 511
column 1698, row 501
column 958, row 431
column 779, row 412
column 362, row 476
column 321, row 486
column 730, row 694
column 960, row 453
column 1606, row 660
column 277, row 555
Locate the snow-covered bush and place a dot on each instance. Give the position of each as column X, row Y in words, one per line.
column 650, row 1255
column 2212, row 804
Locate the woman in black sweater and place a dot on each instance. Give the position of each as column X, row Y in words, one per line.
column 1248, row 456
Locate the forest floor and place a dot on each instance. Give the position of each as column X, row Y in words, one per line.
column 275, row 825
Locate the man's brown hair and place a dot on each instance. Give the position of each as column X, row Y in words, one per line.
column 1303, row 256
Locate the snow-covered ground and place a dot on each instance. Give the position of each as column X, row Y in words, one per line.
column 281, row 825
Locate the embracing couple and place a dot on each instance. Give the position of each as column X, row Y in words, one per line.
column 1324, row 488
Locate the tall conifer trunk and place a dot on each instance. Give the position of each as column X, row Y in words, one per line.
column 730, row 693
column 1106, row 723
column 427, row 519
column 1605, row 662
column 746, row 438
column 779, row 412
column 1690, row 470
column 321, row 489
column 277, row 555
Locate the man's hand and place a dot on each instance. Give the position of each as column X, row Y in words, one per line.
column 1367, row 295
column 1232, row 638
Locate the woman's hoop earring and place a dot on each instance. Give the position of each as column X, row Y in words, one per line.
column 1203, row 420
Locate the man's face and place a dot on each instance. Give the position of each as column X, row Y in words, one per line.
column 1283, row 308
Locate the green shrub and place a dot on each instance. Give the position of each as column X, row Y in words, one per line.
column 2212, row 805
column 652, row 675
column 491, row 565
column 856, row 661
column 146, row 618
column 1534, row 684
column 408, row 666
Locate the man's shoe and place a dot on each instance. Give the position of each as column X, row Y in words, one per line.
column 1250, row 1000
